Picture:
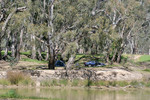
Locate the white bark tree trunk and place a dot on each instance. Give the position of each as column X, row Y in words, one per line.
column 33, row 56
column 19, row 45
column 50, row 35
column 70, row 62
column 13, row 45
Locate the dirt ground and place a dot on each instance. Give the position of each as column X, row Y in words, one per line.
column 21, row 65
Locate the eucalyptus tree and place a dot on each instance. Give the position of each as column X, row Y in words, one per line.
column 124, row 17
column 9, row 8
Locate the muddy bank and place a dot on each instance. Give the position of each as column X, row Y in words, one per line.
column 82, row 74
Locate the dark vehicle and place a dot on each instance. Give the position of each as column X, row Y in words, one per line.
column 94, row 63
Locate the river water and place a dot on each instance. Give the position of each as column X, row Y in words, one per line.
column 83, row 94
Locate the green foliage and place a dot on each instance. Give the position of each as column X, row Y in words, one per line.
column 9, row 53
column 97, row 27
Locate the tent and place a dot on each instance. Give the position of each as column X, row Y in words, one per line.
column 59, row 63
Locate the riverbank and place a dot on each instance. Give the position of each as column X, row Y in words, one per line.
column 36, row 74
column 85, row 78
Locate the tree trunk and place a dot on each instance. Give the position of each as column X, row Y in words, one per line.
column 70, row 62
column 47, row 54
column 4, row 29
column 5, row 25
column 114, row 56
column 7, row 46
column 19, row 45
column 107, row 58
column 119, row 55
column 39, row 54
column 33, row 55
column 13, row 45
column 51, row 64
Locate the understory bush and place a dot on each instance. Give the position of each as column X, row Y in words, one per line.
column 18, row 78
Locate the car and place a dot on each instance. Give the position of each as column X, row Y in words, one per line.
column 100, row 64
column 94, row 63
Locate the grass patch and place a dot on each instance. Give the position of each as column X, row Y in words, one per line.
column 4, row 82
column 87, row 83
column 144, row 58
column 14, row 94
column 34, row 60
column 63, row 82
column 75, row 83
column 134, row 83
column 147, row 70
column 26, row 82
column 122, row 83
column 3, row 52
column 49, row 83
column 147, row 84
column 46, row 83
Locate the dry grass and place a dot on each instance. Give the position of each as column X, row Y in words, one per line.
column 20, row 65
column 15, row 77
column 18, row 78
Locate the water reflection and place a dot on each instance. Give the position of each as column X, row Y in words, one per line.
column 83, row 94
